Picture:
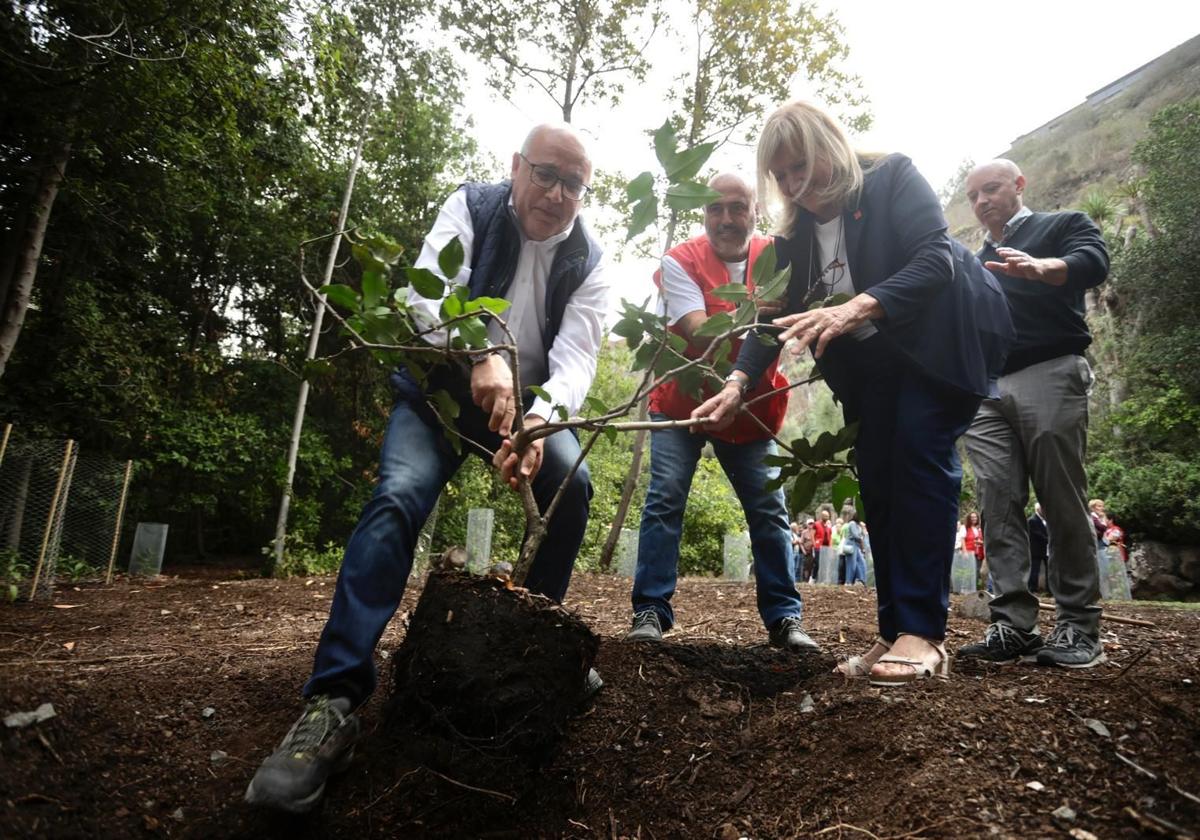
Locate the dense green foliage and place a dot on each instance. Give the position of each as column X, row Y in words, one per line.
column 167, row 322
column 1146, row 450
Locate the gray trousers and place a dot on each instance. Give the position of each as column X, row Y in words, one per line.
column 1037, row 431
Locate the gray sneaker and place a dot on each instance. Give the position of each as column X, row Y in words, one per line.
column 1002, row 643
column 321, row 742
column 1069, row 648
column 646, row 627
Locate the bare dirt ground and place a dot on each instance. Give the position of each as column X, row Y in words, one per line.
column 169, row 693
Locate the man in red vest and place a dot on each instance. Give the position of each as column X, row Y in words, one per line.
column 690, row 273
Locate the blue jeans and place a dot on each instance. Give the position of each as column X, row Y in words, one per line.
column 674, row 454
column 856, row 567
column 415, row 463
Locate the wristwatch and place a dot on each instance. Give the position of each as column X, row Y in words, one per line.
column 742, row 383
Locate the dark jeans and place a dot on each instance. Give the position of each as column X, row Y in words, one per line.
column 910, row 477
column 674, row 454
column 414, row 465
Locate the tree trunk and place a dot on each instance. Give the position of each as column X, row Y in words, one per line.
column 627, row 491
column 29, row 251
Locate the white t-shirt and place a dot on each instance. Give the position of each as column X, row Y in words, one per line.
column 681, row 292
column 835, row 277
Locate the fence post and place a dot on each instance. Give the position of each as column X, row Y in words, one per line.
column 62, row 473
column 112, row 557
column 4, row 443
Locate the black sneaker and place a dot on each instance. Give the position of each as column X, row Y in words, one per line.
column 321, row 742
column 1069, row 648
column 786, row 634
column 646, row 627
column 1002, row 643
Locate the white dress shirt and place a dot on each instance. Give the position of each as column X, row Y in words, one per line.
column 567, row 370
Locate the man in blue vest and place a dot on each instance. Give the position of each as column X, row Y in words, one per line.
column 526, row 245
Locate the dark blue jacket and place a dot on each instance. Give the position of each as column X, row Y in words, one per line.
column 945, row 314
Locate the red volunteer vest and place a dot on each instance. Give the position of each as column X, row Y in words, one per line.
column 706, row 270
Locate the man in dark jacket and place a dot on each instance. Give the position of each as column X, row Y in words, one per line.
column 526, row 246
column 1037, row 429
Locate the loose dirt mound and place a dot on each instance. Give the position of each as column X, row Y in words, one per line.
column 168, row 695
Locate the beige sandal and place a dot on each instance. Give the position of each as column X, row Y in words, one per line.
column 935, row 663
column 857, row 667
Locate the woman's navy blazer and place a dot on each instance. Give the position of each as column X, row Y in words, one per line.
column 945, row 313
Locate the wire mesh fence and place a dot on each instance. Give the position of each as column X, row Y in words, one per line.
column 61, row 514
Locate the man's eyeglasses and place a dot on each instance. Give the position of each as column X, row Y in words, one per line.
column 547, row 176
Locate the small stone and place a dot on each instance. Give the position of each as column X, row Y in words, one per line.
column 239, row 607
column 218, row 757
column 1097, row 727
column 1038, row 786
column 1064, row 813
column 1082, row 834
column 806, row 704
column 177, row 815
column 164, row 612
column 729, row 831
column 19, row 720
column 208, row 712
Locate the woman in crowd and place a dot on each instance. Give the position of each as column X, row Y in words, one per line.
column 856, row 559
column 909, row 355
column 972, row 543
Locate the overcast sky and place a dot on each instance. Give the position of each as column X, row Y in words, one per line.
column 947, row 80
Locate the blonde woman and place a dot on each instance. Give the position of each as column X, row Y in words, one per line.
column 917, row 343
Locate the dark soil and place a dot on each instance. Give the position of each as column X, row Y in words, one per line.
column 168, row 695
column 487, row 678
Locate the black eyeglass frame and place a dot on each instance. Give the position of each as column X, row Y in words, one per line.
column 549, row 178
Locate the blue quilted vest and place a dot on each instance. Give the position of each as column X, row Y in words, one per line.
column 498, row 246
column 494, row 255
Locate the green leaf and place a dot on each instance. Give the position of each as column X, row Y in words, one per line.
column 746, row 314
column 540, row 392
column 803, row 490
column 496, row 306
column 444, row 404
column 665, row 144
column 720, row 323
column 778, row 460
column 775, row 287
column 611, row 434
column 365, row 258
column 825, row 446
column 735, row 292
column 374, row 286
column 764, row 266
column 643, row 356
column 640, row 187
column 686, row 165
column 473, row 332
column 450, row 258
column 689, row 195
column 846, row 436
column 562, row 413
column 427, row 284
column 452, row 307
column 342, row 295
column 594, row 406
column 844, row 488
column 645, row 212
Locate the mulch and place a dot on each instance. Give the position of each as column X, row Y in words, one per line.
column 168, row 693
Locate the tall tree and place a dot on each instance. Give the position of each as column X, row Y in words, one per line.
column 573, row 51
